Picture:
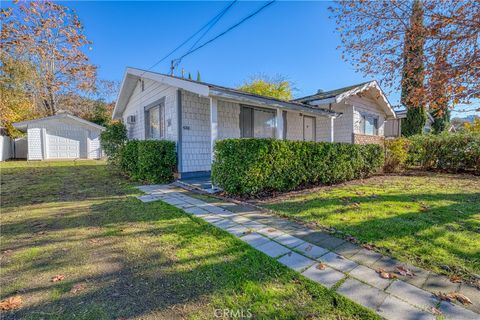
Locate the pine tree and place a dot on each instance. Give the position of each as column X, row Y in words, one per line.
column 189, row 76
column 198, row 76
column 413, row 75
column 441, row 120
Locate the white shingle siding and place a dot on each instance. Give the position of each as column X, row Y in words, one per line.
column 343, row 125
column 228, row 119
column 365, row 105
column 34, row 136
column 294, row 125
column 94, row 148
column 153, row 91
column 196, row 148
column 323, row 129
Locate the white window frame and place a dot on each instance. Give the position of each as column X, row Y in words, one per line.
column 252, row 120
column 160, row 104
column 363, row 123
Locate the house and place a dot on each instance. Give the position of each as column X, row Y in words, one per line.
column 196, row 114
column 393, row 127
column 62, row 136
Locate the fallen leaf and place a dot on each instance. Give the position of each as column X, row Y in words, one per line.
column 93, row 241
column 321, row 266
column 77, row 288
column 11, row 303
column 309, row 248
column 384, row 274
column 436, row 312
column 444, row 296
column 455, row 279
column 58, row 277
column 7, row 252
column 461, row 298
column 404, row 271
column 367, row 246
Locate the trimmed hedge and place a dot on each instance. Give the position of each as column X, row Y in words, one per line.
column 452, row 152
column 153, row 161
column 396, row 154
column 254, row 166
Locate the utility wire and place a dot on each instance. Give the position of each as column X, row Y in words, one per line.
column 175, row 62
column 215, row 19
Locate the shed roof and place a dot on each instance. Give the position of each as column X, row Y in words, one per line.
column 23, row 125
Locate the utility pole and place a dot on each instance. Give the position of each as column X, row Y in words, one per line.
column 172, row 67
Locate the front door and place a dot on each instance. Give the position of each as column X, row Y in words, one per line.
column 308, row 128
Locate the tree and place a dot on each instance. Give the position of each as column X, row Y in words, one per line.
column 51, row 38
column 198, row 76
column 277, row 87
column 439, row 105
column 373, row 35
column 413, row 74
column 473, row 127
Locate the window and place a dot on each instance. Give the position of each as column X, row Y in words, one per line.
column 154, row 121
column 369, row 124
column 257, row 122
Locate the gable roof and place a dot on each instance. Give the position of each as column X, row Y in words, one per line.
column 133, row 75
column 339, row 95
column 23, row 125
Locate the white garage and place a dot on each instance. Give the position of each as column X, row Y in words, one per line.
column 62, row 136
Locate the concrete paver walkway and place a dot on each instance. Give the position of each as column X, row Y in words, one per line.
column 324, row 259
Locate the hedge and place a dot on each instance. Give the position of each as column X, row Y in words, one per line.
column 396, row 154
column 451, row 152
column 254, row 166
column 152, row 161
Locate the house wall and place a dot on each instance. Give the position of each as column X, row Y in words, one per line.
column 5, row 148
column 366, row 105
column 392, row 128
column 152, row 91
column 228, row 119
column 94, row 148
column 35, row 143
column 343, row 125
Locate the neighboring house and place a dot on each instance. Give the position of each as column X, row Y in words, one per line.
column 62, row 136
column 393, row 127
column 196, row 114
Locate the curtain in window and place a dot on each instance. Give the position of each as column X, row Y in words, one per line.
column 257, row 123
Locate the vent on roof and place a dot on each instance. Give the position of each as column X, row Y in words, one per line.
column 320, row 91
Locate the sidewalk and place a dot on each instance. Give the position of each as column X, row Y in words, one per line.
column 346, row 268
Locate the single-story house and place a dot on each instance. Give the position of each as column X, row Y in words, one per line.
column 196, row 114
column 393, row 127
column 61, row 136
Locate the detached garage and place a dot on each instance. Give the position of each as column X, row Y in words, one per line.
column 62, row 136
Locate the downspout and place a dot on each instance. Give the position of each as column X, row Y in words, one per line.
column 179, row 138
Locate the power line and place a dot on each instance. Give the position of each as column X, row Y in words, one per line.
column 175, row 62
column 215, row 19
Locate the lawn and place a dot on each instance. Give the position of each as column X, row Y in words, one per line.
column 429, row 220
column 121, row 258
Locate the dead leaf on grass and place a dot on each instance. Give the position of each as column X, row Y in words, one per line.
column 461, row 298
column 368, row 246
column 321, row 266
column 94, row 241
column 351, row 239
column 455, row 279
column 436, row 312
column 58, row 277
column 77, row 288
column 7, row 252
column 11, row 303
column 404, row 271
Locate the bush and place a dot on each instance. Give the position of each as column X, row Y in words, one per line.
column 112, row 141
column 452, row 152
column 254, row 166
column 153, row 161
column 396, row 154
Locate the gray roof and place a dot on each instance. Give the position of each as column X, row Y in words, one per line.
column 331, row 93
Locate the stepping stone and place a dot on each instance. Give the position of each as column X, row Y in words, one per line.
column 347, row 249
column 271, row 232
column 196, row 211
column 395, row 309
column 386, row 263
column 413, row 295
column 213, row 209
column 254, row 225
column 361, row 293
column 289, row 241
column 452, row 311
column 240, row 219
column 312, row 236
column 366, row 257
column 238, row 230
column 254, row 239
column 147, row 198
column 173, row 201
column 296, row 261
column 474, row 295
column 436, row 282
column 369, row 276
column 418, row 280
column 224, row 224
column 327, row 277
column 311, row 250
column 185, row 205
column 330, row 242
column 338, row 262
column 273, row 249
column 210, row 218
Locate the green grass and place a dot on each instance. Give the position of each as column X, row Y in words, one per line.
column 134, row 260
column 430, row 220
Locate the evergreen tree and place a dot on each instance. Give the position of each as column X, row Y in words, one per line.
column 413, row 90
column 439, row 97
column 198, row 76
column 441, row 120
column 189, row 76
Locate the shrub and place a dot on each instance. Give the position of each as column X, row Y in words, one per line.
column 112, row 141
column 453, row 152
column 152, row 161
column 253, row 166
column 396, row 154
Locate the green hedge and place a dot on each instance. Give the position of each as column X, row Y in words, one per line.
column 254, row 166
column 452, row 152
column 153, row 161
column 396, row 154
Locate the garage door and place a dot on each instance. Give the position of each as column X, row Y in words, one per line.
column 65, row 144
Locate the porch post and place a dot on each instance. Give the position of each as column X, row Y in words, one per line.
column 280, row 124
column 213, row 125
column 331, row 135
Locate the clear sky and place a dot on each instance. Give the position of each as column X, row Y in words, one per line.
column 294, row 39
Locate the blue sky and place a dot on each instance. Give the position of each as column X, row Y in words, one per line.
column 294, row 39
